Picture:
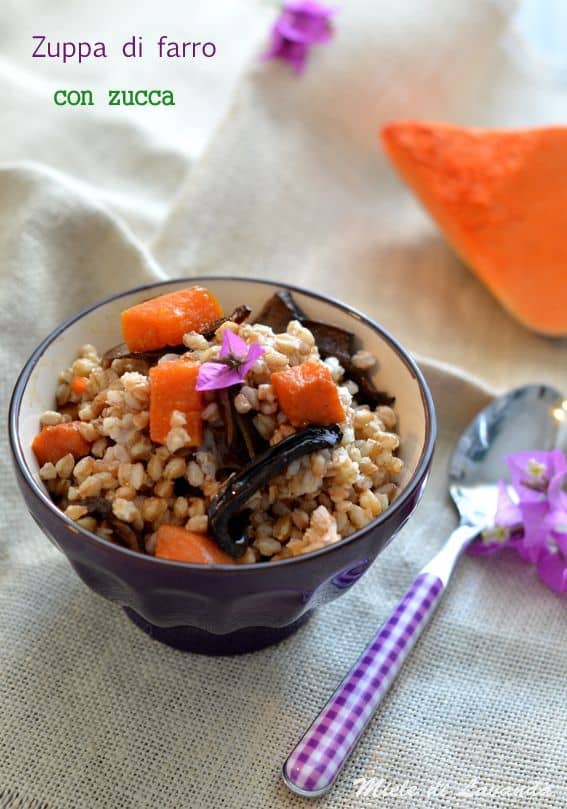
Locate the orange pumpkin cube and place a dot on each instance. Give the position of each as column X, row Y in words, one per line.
column 58, row 440
column 180, row 545
column 172, row 387
column 163, row 321
column 307, row 394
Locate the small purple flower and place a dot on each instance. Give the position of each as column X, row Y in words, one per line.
column 531, row 515
column 531, row 472
column 301, row 24
column 235, row 360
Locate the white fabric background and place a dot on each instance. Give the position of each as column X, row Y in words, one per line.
column 291, row 185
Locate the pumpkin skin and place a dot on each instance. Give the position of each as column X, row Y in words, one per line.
column 500, row 197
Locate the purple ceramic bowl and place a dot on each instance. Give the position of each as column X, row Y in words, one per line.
column 219, row 609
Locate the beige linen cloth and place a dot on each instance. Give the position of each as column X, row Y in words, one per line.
column 92, row 713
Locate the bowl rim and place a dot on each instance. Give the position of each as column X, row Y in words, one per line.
column 29, row 478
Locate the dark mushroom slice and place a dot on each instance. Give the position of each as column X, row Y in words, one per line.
column 239, row 315
column 367, row 394
column 122, row 352
column 332, row 341
column 118, row 352
column 246, row 441
column 229, row 448
column 237, row 439
column 227, row 516
column 279, row 310
column 98, row 507
column 101, row 509
column 225, row 408
column 126, row 536
column 251, row 438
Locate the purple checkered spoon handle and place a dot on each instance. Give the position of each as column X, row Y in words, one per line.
column 316, row 761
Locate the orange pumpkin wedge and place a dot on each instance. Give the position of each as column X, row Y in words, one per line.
column 500, row 197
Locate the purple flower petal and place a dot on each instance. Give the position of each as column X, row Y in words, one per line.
column 552, row 570
column 508, row 513
column 535, row 530
column 294, row 53
column 306, row 22
column 559, row 462
column 254, row 352
column 556, row 522
column 556, row 491
column 233, row 346
column 216, row 375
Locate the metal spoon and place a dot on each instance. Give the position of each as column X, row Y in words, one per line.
column 528, row 418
